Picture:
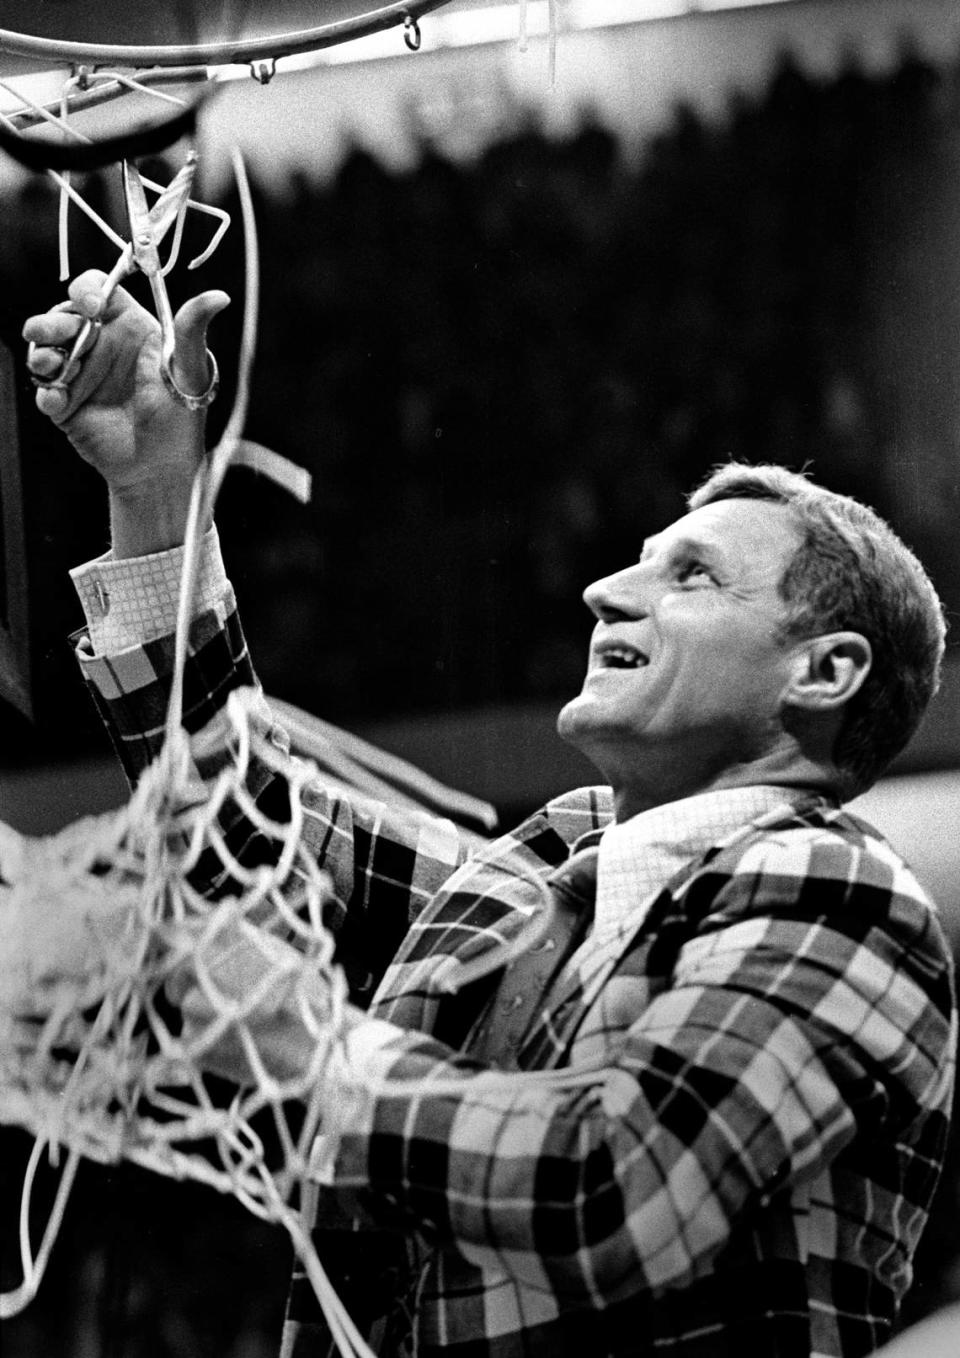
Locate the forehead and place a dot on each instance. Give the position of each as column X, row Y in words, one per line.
column 746, row 533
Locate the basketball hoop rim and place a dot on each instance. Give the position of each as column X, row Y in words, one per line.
column 58, row 52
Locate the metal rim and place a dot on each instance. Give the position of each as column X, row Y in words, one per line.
column 56, row 52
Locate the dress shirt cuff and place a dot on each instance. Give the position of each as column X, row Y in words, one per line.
column 130, row 602
column 356, row 1070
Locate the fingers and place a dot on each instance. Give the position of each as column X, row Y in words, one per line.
column 86, row 294
column 65, row 341
column 86, row 302
column 54, row 328
column 46, row 363
column 54, row 402
column 59, row 339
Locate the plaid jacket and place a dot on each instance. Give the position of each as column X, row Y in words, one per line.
column 751, row 1168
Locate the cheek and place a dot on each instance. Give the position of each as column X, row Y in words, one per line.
column 723, row 669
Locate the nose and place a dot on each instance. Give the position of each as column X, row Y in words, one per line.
column 618, row 597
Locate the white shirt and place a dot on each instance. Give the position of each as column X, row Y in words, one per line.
column 639, row 856
column 132, row 601
column 636, row 860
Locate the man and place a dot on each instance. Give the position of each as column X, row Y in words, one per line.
column 704, row 1115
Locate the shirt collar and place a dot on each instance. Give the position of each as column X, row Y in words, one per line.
column 639, row 856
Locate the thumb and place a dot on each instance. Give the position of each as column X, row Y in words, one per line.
column 192, row 367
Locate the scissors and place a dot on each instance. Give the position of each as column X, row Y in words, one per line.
column 148, row 228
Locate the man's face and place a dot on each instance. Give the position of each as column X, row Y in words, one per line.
column 686, row 664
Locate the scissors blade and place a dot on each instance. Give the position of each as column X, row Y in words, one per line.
column 148, row 226
column 142, row 235
column 173, row 199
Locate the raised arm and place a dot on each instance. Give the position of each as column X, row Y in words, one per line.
column 119, row 415
column 117, row 411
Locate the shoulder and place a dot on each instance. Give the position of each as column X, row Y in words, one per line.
column 825, row 844
column 826, row 866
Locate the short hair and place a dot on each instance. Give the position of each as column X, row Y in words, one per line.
column 852, row 572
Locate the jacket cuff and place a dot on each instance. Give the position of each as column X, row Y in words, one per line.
column 131, row 688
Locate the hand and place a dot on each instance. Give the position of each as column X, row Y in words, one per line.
column 63, row 950
column 260, row 982
column 117, row 411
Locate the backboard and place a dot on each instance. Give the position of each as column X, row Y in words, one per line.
column 14, row 610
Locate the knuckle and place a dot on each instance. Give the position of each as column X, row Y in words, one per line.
column 86, row 292
column 85, row 282
column 45, row 360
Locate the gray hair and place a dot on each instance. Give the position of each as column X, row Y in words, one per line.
column 852, row 572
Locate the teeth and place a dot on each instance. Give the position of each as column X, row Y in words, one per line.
column 623, row 657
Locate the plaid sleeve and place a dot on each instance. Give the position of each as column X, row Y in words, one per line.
column 131, row 687
column 384, row 866
column 808, row 1019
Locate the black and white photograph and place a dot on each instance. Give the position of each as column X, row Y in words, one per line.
column 479, row 678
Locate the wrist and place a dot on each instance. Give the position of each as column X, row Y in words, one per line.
column 150, row 516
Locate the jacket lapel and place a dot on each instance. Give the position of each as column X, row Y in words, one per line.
column 496, row 903
column 451, row 945
column 625, row 974
column 490, row 910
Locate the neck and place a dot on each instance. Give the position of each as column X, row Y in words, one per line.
column 640, row 790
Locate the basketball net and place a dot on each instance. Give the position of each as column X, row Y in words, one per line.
column 99, row 919
column 96, row 920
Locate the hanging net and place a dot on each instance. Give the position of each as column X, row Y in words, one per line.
column 98, row 918
column 97, row 921
column 101, row 920
column 94, row 1058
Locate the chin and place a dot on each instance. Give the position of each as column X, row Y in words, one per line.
column 581, row 722
column 569, row 719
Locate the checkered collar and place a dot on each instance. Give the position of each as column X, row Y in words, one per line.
column 639, row 856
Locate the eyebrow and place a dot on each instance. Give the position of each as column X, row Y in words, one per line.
column 698, row 546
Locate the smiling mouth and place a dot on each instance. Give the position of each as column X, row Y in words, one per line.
column 622, row 658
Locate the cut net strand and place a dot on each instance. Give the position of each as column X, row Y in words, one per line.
column 68, row 193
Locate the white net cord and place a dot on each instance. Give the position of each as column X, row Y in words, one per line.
column 99, row 919
column 102, row 922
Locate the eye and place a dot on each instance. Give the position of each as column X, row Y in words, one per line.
column 695, row 572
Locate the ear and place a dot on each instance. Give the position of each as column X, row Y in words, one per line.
column 829, row 670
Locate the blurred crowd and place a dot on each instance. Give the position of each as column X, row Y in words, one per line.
column 502, row 375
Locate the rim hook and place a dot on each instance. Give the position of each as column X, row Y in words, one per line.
column 411, row 33
column 81, row 75
column 264, row 71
